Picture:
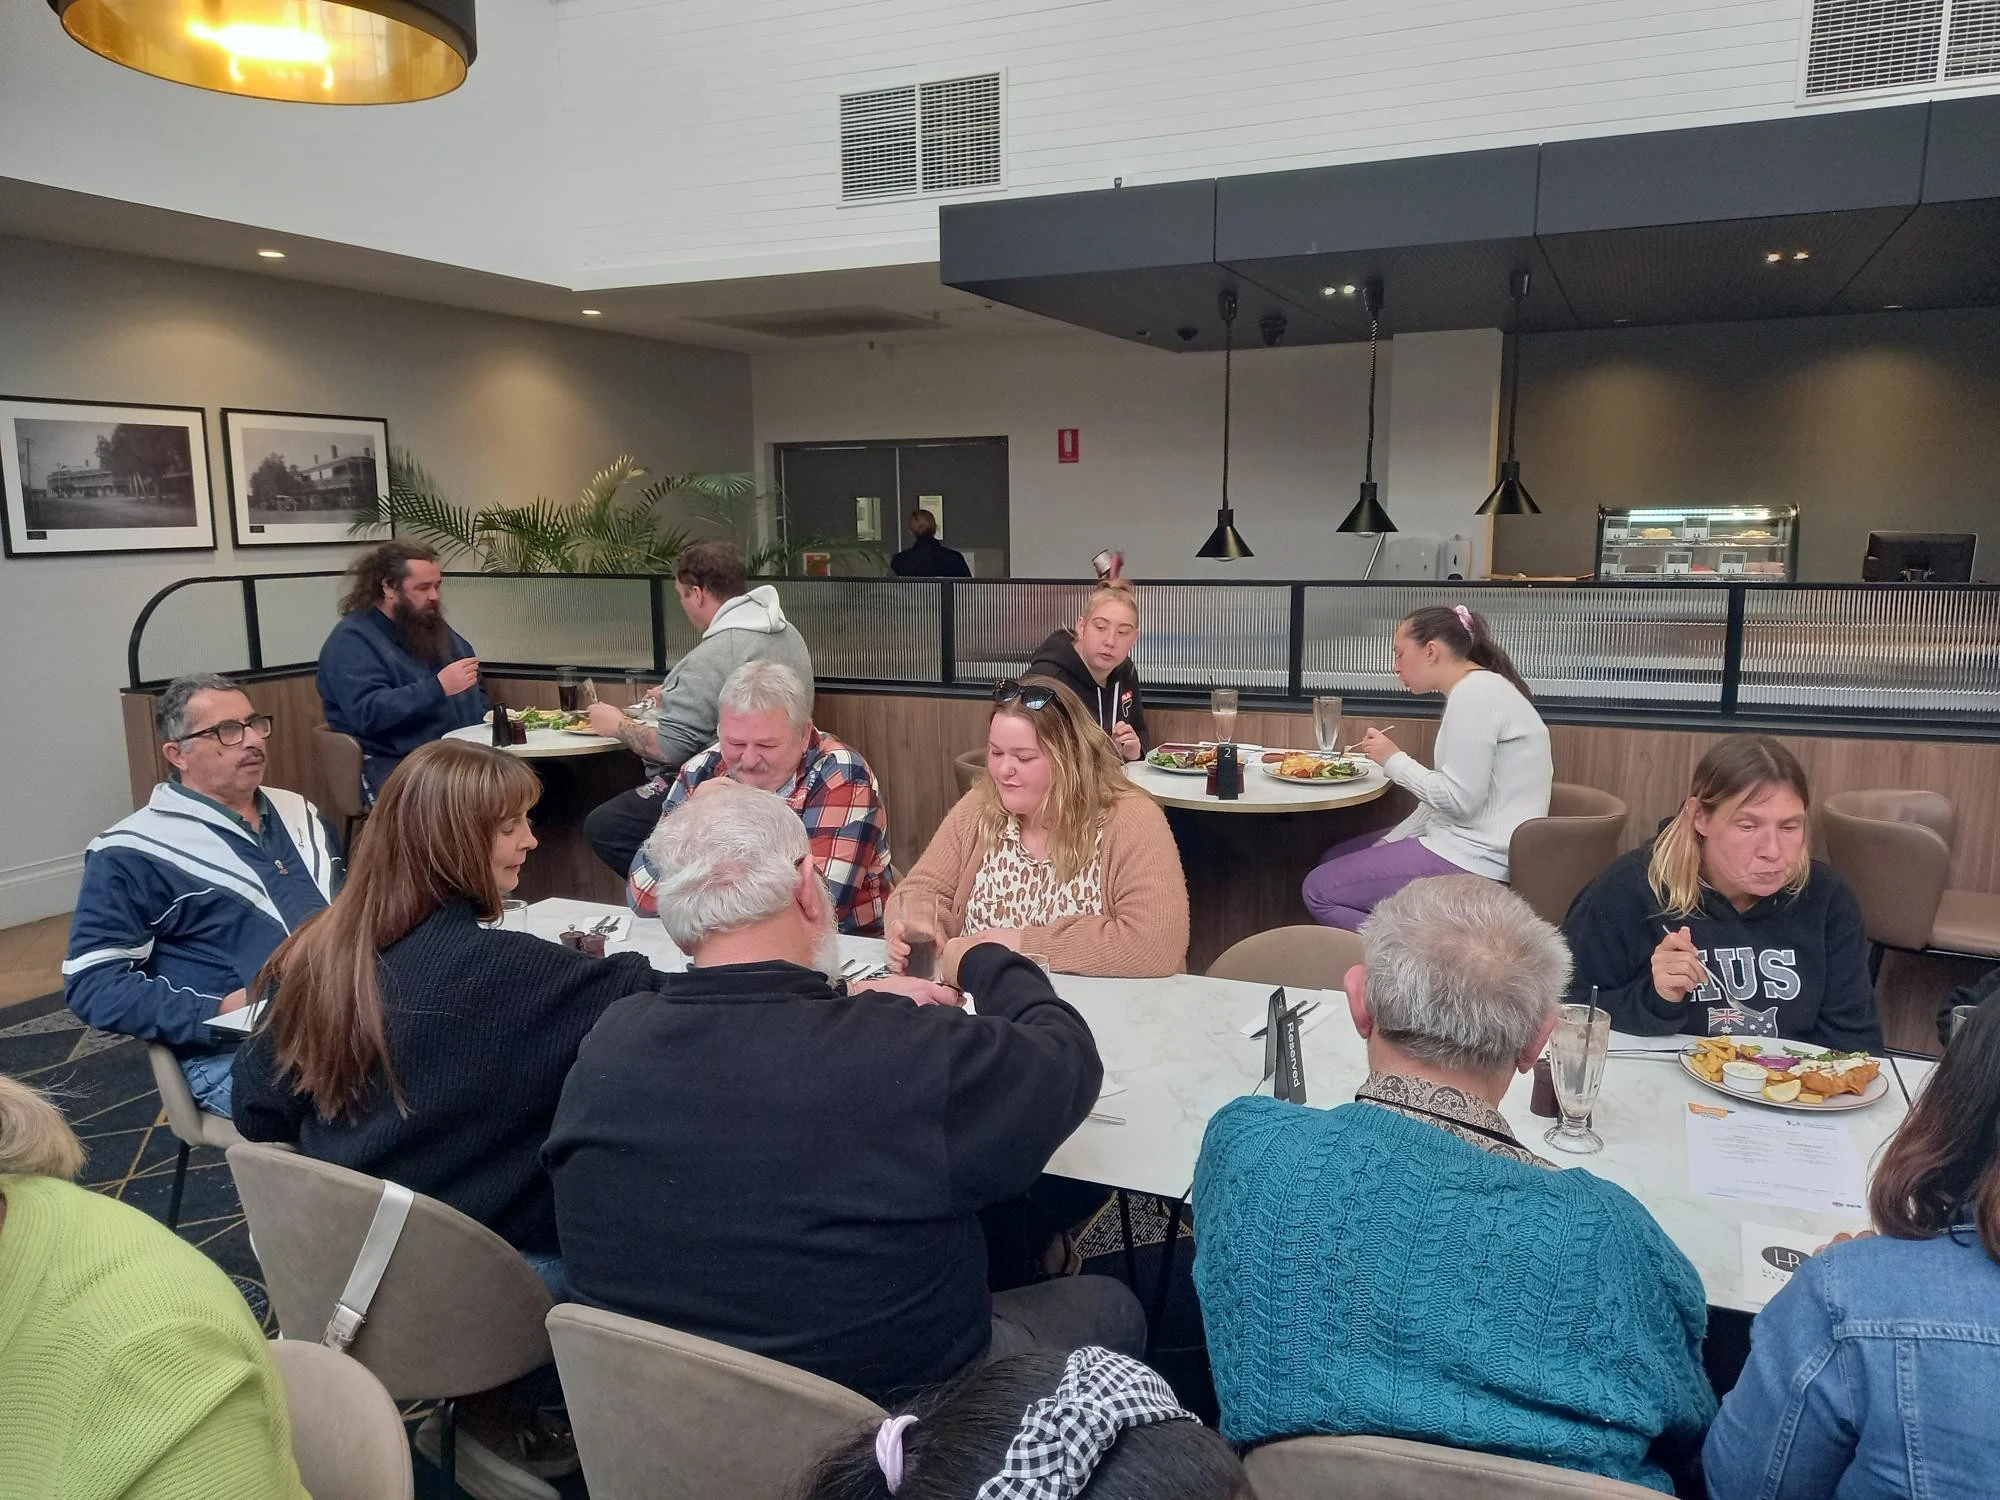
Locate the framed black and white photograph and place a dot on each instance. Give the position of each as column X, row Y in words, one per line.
column 103, row 476
column 297, row 478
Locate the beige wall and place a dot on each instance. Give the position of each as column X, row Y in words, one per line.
column 1876, row 421
column 499, row 409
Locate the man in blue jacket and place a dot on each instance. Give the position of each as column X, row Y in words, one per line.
column 393, row 674
column 184, row 900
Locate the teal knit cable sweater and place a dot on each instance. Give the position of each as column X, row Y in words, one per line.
column 1364, row 1272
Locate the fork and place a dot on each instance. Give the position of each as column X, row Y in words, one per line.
column 609, row 924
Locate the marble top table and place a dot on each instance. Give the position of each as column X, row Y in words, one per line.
column 1261, row 793
column 1174, row 1053
column 543, row 744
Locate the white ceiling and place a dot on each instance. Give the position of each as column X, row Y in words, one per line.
column 677, row 313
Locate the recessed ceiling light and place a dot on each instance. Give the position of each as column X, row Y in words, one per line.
column 272, row 254
column 1621, row 320
column 1891, row 306
column 1772, row 257
column 1802, row 255
column 592, row 312
column 1347, row 289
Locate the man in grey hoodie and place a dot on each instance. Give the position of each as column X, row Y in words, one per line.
column 737, row 624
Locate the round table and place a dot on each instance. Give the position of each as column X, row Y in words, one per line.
column 1243, row 873
column 577, row 772
column 542, row 744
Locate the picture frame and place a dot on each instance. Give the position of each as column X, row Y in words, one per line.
column 81, row 477
column 302, row 479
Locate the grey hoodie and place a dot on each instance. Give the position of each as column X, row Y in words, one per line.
column 750, row 627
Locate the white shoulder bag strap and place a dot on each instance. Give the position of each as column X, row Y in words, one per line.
column 351, row 1310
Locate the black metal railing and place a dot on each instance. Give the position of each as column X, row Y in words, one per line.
column 1923, row 658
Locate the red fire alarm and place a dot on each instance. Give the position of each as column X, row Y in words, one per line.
column 1066, row 447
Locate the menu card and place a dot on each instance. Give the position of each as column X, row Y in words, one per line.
column 1765, row 1157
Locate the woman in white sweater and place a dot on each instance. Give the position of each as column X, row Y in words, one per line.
column 1492, row 774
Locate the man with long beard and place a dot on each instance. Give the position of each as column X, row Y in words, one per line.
column 393, row 674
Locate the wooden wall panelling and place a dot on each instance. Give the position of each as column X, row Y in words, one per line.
column 909, row 743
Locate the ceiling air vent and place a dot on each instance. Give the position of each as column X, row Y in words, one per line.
column 1974, row 45
column 944, row 136
column 1873, row 44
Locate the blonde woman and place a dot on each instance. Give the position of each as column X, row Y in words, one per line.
column 1094, row 661
column 1054, row 852
column 130, row 1367
column 1725, row 922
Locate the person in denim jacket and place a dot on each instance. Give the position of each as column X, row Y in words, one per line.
column 1873, row 1372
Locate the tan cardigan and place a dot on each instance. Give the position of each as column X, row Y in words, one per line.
column 1144, row 930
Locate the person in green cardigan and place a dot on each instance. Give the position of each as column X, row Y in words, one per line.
column 1403, row 1266
column 130, row 1367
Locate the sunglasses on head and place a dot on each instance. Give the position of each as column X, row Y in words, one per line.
column 1032, row 698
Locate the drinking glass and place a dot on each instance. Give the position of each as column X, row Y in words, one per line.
column 1222, row 704
column 1576, row 1060
column 568, row 681
column 917, row 916
column 634, row 686
column 1326, row 723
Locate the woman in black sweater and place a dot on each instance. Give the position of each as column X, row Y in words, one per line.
column 407, row 1041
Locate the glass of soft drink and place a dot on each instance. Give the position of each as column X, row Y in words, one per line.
column 1326, row 723
column 917, row 917
column 569, row 683
column 1222, row 704
column 1576, row 1064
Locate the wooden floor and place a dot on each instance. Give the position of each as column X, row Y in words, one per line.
column 31, row 959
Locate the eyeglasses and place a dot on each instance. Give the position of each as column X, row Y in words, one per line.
column 1013, row 690
column 230, row 731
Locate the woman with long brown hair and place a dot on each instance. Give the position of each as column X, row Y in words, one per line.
column 1054, row 851
column 1725, row 922
column 407, row 1040
column 1490, row 772
column 1872, row 1372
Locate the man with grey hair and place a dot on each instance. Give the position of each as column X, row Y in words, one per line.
column 766, row 739
column 184, row 900
column 1403, row 1266
column 750, row 1154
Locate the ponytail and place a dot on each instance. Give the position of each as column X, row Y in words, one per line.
column 1465, row 635
column 35, row 1139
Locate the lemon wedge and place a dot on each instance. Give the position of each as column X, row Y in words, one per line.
column 1785, row 1091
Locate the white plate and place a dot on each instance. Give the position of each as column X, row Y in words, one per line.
column 1837, row 1104
column 1270, row 769
column 1152, row 765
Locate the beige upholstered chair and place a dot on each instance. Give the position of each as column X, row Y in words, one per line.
column 1894, row 848
column 458, row 1310
column 1383, row 1468
column 661, row 1415
column 347, row 1435
column 339, row 758
column 1308, row 956
column 1550, row 859
column 968, row 766
column 191, row 1124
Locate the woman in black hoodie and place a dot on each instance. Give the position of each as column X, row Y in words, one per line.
column 1725, row 923
column 1094, row 661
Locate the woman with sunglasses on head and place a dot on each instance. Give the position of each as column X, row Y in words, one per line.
column 1491, row 773
column 1872, row 1372
column 1054, row 852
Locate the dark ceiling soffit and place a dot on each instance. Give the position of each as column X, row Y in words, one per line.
column 1962, row 160
column 1070, row 234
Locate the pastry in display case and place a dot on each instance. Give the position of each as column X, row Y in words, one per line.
column 1699, row 543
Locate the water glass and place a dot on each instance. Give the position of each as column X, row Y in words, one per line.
column 1326, row 723
column 1576, row 1061
column 1222, row 704
column 634, row 686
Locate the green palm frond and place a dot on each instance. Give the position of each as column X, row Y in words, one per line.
column 734, row 486
column 417, row 508
column 605, row 484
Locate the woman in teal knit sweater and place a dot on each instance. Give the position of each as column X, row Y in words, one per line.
column 1403, row 1266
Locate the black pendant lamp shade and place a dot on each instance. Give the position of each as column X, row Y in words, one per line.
column 293, row 51
column 1225, row 543
column 1510, row 497
column 1368, row 515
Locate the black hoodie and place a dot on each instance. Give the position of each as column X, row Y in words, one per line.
column 1804, row 954
column 1114, row 703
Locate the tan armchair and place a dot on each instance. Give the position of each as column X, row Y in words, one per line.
column 1893, row 848
column 191, row 1124
column 347, row 1435
column 339, row 758
column 1385, row 1468
column 968, row 766
column 1306, row 957
column 1550, row 859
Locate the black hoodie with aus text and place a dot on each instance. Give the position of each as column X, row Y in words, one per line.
column 1801, row 954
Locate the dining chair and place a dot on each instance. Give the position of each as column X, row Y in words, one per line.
column 1550, row 859
column 191, row 1124
column 1893, row 848
column 1386, row 1468
column 339, row 758
column 968, row 766
column 347, row 1436
column 1308, row 957
column 457, row 1311
column 663, row 1415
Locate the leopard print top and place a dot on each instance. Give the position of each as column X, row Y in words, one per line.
column 1014, row 889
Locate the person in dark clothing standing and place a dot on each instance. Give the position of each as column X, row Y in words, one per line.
column 748, row 1154
column 926, row 556
column 1725, row 923
column 393, row 674
column 437, row 1061
column 1094, row 661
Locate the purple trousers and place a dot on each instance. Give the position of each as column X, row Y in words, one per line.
column 1352, row 877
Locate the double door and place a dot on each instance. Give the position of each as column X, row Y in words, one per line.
column 845, row 490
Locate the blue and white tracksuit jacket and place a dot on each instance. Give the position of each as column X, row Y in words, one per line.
column 180, row 906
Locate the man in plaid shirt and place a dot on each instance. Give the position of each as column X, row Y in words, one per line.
column 766, row 739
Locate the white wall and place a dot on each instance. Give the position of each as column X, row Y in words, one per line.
column 499, row 409
column 1151, row 435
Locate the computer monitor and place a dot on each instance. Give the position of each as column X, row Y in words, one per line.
column 1919, row 557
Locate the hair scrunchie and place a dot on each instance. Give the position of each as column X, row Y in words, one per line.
column 1065, row 1436
column 889, row 1449
column 1464, row 617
